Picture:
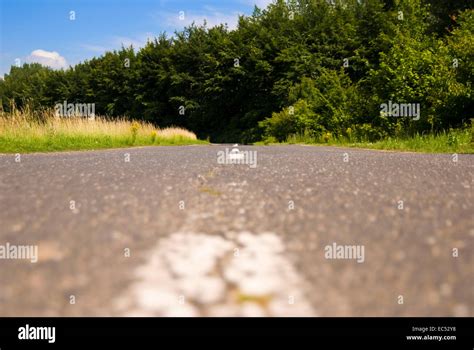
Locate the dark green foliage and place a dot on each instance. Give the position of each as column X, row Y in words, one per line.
column 297, row 67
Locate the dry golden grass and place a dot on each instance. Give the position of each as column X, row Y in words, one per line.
column 176, row 131
column 27, row 130
column 45, row 123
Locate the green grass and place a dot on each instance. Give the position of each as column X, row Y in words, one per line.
column 56, row 143
column 454, row 141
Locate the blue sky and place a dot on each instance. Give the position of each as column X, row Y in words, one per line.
column 42, row 31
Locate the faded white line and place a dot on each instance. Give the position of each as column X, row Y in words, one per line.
column 196, row 274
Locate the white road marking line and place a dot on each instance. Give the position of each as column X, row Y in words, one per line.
column 196, row 274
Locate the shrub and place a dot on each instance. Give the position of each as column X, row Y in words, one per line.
column 453, row 138
column 367, row 132
column 134, row 130
column 153, row 136
column 291, row 120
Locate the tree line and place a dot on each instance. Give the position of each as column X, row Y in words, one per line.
column 318, row 67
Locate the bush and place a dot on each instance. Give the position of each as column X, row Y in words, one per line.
column 329, row 96
column 367, row 132
column 291, row 120
column 319, row 106
column 414, row 71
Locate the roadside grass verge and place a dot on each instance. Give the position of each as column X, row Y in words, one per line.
column 452, row 141
column 26, row 131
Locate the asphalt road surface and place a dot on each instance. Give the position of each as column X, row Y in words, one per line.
column 297, row 231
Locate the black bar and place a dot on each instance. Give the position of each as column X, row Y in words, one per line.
column 350, row 331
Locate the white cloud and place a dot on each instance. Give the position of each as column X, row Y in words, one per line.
column 136, row 42
column 212, row 17
column 47, row 58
